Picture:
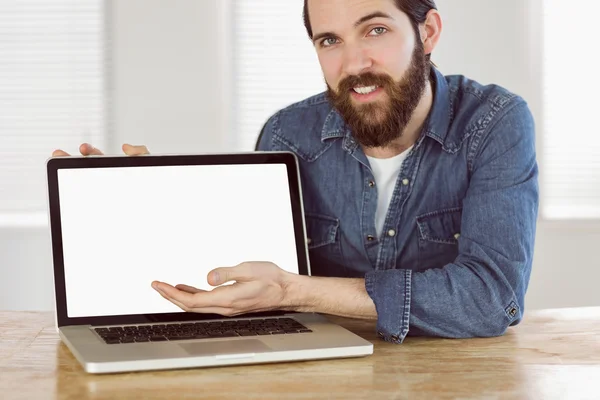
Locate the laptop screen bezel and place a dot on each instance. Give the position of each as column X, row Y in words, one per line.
column 55, row 164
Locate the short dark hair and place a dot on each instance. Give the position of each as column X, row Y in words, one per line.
column 415, row 9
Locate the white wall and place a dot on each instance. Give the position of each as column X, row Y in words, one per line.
column 170, row 82
column 25, row 269
column 172, row 92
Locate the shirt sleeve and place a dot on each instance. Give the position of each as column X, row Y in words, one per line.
column 482, row 292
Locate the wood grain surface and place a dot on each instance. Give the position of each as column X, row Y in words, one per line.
column 552, row 354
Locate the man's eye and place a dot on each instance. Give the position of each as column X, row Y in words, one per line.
column 378, row 31
column 328, row 42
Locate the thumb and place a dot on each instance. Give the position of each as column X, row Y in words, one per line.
column 219, row 276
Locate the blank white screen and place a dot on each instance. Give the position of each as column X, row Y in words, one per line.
column 122, row 228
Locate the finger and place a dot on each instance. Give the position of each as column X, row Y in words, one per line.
column 202, row 310
column 189, row 289
column 239, row 273
column 60, row 153
column 87, row 149
column 175, row 302
column 228, row 312
column 173, row 294
column 132, row 150
column 202, row 299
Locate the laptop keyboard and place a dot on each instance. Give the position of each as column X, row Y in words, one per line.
column 201, row 330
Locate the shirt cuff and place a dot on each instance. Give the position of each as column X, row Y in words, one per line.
column 390, row 291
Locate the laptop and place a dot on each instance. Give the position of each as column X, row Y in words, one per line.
column 119, row 223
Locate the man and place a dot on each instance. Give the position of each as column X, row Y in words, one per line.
column 420, row 190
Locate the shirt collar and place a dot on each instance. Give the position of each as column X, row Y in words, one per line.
column 437, row 123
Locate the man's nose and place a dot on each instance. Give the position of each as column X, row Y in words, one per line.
column 356, row 60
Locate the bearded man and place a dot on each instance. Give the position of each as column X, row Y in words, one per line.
column 420, row 190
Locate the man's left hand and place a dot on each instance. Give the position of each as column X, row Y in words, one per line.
column 258, row 287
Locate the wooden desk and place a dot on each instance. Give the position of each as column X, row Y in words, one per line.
column 553, row 354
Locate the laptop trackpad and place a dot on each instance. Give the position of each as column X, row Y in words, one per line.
column 248, row 346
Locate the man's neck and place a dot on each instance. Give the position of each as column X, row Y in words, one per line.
column 411, row 132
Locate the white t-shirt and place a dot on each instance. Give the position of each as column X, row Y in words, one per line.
column 385, row 172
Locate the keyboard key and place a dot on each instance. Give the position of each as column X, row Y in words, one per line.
column 110, row 337
column 201, row 337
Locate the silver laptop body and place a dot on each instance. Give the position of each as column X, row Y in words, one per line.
column 117, row 223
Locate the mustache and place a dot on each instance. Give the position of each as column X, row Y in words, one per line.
column 366, row 79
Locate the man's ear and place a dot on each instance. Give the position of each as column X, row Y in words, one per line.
column 431, row 30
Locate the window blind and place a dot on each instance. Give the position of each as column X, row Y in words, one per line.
column 570, row 159
column 52, row 92
column 274, row 63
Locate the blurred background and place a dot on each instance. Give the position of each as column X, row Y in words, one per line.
column 193, row 76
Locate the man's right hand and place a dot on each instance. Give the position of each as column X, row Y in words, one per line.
column 87, row 149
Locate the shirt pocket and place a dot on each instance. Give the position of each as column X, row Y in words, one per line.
column 323, row 239
column 439, row 233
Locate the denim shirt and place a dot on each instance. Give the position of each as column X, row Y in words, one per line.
column 456, row 253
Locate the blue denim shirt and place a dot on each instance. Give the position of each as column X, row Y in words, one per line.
column 456, row 254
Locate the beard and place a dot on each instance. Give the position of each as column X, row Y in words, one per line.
column 379, row 123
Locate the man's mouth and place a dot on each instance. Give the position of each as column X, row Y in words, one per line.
column 365, row 89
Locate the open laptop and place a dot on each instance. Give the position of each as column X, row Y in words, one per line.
column 119, row 223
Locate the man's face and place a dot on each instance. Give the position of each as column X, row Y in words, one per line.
column 374, row 65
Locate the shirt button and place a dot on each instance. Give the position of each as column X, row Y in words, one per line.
column 370, row 238
column 457, row 236
column 308, row 240
column 371, row 183
column 391, row 233
column 405, row 182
